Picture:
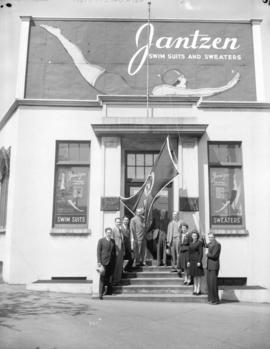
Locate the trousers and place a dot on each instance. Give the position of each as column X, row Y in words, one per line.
column 139, row 250
column 161, row 247
column 212, row 285
column 175, row 251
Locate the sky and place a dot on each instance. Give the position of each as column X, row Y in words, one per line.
column 10, row 12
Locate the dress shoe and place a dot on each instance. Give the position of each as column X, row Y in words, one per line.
column 185, row 282
column 100, row 297
column 198, row 293
column 215, row 303
column 194, row 293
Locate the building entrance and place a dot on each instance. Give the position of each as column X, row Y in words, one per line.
column 138, row 165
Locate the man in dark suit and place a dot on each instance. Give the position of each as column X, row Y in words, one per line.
column 106, row 258
column 214, row 249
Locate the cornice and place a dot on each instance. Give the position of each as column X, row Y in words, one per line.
column 112, row 127
column 233, row 105
column 142, row 99
column 153, row 20
column 104, row 100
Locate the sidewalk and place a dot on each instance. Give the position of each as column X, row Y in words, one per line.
column 31, row 320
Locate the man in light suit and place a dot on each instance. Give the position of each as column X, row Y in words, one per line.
column 106, row 258
column 173, row 238
column 214, row 249
column 137, row 228
column 118, row 237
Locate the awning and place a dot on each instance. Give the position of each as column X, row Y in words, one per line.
column 123, row 126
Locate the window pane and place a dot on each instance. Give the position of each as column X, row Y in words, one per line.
column 139, row 159
column 148, row 159
column 74, row 152
column 84, row 152
column 131, row 172
column 62, row 152
column 131, row 159
column 226, row 196
column 140, row 172
column 71, row 195
column 229, row 153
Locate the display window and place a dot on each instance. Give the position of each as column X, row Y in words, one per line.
column 71, row 184
column 226, row 185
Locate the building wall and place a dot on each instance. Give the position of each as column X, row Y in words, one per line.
column 8, row 138
column 35, row 254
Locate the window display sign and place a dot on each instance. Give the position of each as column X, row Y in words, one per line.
column 71, row 195
column 226, row 197
column 80, row 59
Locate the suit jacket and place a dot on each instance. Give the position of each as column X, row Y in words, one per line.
column 119, row 240
column 105, row 251
column 170, row 231
column 137, row 228
column 214, row 250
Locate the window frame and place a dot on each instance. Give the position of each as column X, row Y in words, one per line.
column 226, row 165
column 70, row 163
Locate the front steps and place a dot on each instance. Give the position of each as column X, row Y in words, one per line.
column 157, row 284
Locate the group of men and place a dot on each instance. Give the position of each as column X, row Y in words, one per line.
column 124, row 247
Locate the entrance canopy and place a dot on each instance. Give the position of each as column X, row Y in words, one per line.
column 162, row 126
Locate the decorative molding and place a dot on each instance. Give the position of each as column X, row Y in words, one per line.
column 233, row 105
column 9, row 114
column 230, row 232
column 59, row 103
column 140, row 100
column 70, row 231
column 97, row 19
column 152, row 100
column 144, row 127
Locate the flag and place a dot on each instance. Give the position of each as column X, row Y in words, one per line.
column 161, row 174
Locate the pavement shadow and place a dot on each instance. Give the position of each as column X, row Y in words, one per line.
column 18, row 305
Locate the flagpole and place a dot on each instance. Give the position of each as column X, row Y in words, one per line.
column 147, row 61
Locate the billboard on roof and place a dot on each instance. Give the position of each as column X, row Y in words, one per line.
column 80, row 59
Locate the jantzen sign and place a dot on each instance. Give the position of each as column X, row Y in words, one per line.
column 195, row 41
column 81, row 59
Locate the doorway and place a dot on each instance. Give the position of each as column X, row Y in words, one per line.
column 138, row 165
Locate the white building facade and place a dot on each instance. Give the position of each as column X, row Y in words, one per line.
column 95, row 101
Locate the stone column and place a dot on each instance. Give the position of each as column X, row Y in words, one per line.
column 189, row 180
column 111, row 184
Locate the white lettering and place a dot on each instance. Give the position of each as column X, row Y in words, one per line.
column 192, row 41
column 144, row 49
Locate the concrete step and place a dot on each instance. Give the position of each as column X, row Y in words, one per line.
column 69, row 286
column 150, row 274
column 155, row 289
column 157, row 298
column 153, row 268
column 153, row 281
